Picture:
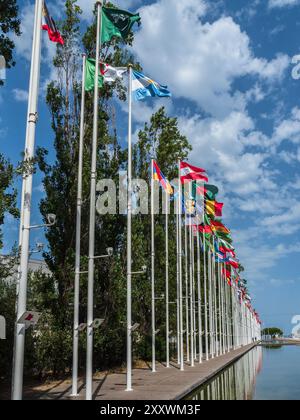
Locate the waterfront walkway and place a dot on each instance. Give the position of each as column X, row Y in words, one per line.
column 165, row 384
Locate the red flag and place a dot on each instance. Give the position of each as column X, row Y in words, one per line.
column 191, row 173
column 219, row 227
column 233, row 263
column 205, row 229
column 227, row 251
column 50, row 26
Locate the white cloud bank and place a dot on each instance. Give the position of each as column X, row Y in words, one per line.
column 200, row 61
column 282, row 3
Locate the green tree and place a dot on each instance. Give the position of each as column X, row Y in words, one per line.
column 60, row 182
column 272, row 331
column 8, row 197
column 7, row 263
column 54, row 295
column 9, row 23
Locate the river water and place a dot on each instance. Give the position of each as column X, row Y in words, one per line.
column 265, row 373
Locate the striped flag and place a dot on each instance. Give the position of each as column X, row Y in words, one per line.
column 159, row 176
column 191, row 173
column 50, row 26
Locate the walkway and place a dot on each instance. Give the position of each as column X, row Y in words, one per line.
column 165, row 384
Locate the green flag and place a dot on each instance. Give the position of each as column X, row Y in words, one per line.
column 116, row 22
column 90, row 75
column 211, row 191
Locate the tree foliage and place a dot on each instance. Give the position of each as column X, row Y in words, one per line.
column 7, row 263
column 9, row 24
column 53, row 295
column 272, row 331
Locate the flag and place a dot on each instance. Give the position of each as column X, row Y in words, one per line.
column 107, row 74
column 159, row 176
column 205, row 229
column 111, row 74
column 50, row 26
column 191, row 173
column 227, row 275
column 232, row 262
column 226, row 245
column 143, row 87
column 224, row 236
column 219, row 227
column 227, row 251
column 213, row 208
column 90, row 75
column 117, row 23
column 208, row 191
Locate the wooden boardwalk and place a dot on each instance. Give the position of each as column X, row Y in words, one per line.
column 165, row 384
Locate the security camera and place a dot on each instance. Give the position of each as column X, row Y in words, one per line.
column 144, row 268
column 110, row 251
column 51, row 219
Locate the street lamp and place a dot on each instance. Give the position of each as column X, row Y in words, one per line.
column 51, row 221
column 110, row 253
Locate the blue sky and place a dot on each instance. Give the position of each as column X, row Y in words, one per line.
column 229, row 66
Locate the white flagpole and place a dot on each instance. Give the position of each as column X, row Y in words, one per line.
column 18, row 358
column 187, row 326
column 191, row 290
column 177, row 285
column 180, row 272
column 210, row 302
column 215, row 302
column 194, row 295
column 153, row 266
column 90, row 304
column 129, row 257
column 199, row 297
column 205, row 299
column 167, row 285
column 78, row 239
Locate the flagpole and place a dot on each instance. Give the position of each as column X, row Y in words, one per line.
column 194, row 296
column 199, row 297
column 228, row 313
column 90, row 303
column 205, row 299
column 221, row 308
column 191, row 290
column 177, row 285
column 215, row 303
column 153, row 265
column 18, row 358
column 186, row 291
column 167, row 285
column 78, row 239
column 180, row 272
column 210, row 302
column 129, row 250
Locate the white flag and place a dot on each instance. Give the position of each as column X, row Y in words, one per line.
column 111, row 74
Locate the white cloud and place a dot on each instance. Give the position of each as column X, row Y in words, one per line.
column 288, row 129
column 282, row 3
column 220, row 146
column 20, row 95
column 257, row 258
column 200, row 60
column 23, row 43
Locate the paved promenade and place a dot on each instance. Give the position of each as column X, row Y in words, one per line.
column 165, row 384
